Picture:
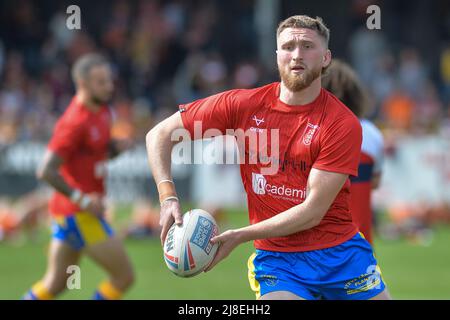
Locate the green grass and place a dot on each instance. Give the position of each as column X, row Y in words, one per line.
column 411, row 271
column 414, row 271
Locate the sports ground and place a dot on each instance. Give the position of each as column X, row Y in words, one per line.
column 411, row 271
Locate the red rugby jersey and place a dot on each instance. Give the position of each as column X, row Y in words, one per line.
column 323, row 134
column 81, row 138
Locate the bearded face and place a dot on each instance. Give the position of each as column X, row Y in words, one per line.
column 301, row 55
column 297, row 78
column 99, row 84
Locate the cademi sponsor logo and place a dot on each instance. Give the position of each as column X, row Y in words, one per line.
column 260, row 186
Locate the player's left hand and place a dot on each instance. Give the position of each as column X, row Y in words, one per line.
column 228, row 240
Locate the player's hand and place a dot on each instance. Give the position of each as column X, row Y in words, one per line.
column 170, row 212
column 227, row 242
column 95, row 205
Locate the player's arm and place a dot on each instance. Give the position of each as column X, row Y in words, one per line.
column 217, row 111
column 48, row 171
column 159, row 145
column 322, row 189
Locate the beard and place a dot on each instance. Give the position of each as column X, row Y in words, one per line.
column 100, row 100
column 298, row 82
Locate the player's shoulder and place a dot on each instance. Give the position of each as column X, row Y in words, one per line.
column 74, row 115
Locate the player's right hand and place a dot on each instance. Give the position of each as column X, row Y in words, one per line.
column 170, row 212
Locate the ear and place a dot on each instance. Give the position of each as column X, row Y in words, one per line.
column 326, row 59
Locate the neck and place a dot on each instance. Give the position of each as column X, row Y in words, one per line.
column 305, row 96
column 84, row 99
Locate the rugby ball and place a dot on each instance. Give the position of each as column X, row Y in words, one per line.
column 187, row 248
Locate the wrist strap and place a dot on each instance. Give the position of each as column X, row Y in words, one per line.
column 170, row 198
column 76, row 196
column 162, row 181
column 84, row 202
column 166, row 190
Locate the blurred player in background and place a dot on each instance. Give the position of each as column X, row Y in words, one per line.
column 343, row 82
column 23, row 215
column 307, row 246
column 74, row 165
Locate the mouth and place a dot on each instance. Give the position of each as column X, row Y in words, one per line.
column 297, row 69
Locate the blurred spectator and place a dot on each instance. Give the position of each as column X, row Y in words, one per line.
column 365, row 48
column 398, row 110
column 445, row 74
column 383, row 77
column 428, row 113
column 246, row 75
column 2, row 56
column 169, row 52
column 411, row 73
column 165, row 53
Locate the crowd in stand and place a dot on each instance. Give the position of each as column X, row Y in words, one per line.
column 169, row 52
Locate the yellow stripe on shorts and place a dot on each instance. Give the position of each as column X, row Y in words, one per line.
column 90, row 227
column 254, row 284
column 377, row 267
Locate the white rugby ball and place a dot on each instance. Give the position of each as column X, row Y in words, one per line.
column 187, row 248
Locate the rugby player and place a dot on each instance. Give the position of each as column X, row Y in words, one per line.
column 343, row 82
column 74, row 165
column 307, row 246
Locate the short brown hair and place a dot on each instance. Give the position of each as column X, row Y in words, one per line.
column 303, row 21
column 85, row 63
column 343, row 82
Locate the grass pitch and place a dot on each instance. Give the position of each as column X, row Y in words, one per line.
column 411, row 271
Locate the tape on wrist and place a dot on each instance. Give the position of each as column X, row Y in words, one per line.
column 170, row 198
column 76, row 196
column 84, row 202
column 166, row 190
column 164, row 181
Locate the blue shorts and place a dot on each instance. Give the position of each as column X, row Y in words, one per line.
column 348, row 271
column 81, row 229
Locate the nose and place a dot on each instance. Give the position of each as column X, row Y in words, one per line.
column 297, row 54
